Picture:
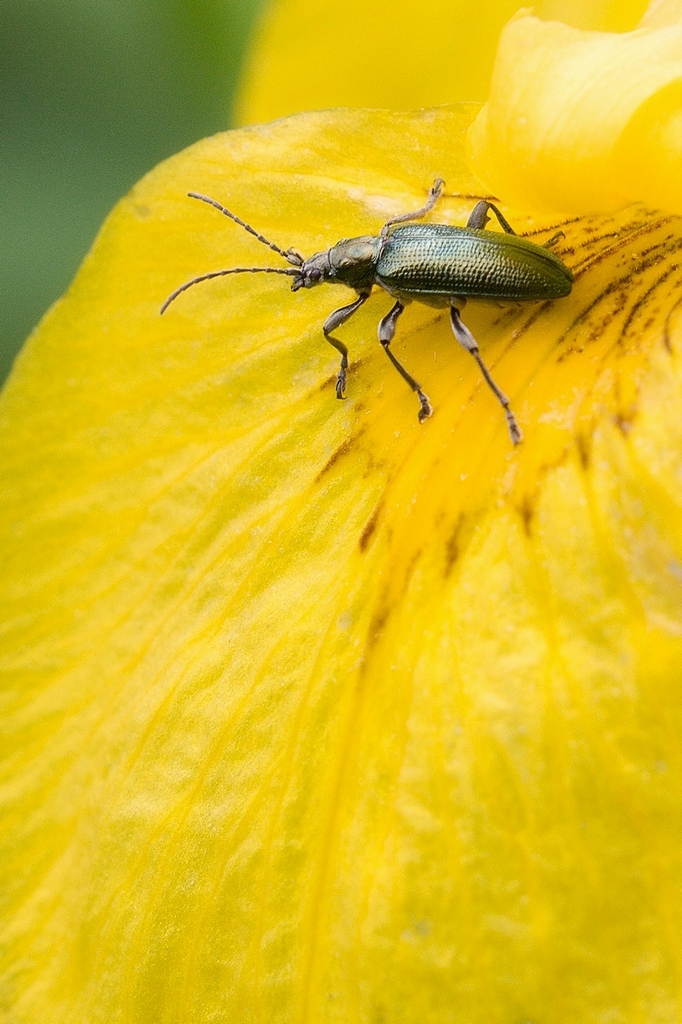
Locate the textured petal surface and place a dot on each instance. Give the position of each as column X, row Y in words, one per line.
column 582, row 121
column 390, row 53
column 311, row 712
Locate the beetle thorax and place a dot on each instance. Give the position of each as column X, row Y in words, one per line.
column 353, row 260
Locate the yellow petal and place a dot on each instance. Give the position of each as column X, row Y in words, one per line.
column 584, row 121
column 315, row 713
column 389, row 53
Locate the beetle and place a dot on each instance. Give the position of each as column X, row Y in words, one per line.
column 436, row 264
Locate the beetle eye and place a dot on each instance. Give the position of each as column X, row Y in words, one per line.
column 315, row 275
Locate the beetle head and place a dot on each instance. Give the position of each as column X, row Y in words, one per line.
column 316, row 269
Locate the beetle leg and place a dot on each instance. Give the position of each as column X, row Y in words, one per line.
column 478, row 218
column 554, row 239
column 467, row 341
column 334, row 320
column 435, row 192
column 386, row 332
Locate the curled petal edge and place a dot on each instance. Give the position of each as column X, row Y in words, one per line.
column 584, row 121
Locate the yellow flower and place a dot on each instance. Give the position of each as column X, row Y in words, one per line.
column 316, row 713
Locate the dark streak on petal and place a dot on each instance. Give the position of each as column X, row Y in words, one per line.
column 583, row 444
column 342, row 450
column 370, row 528
column 527, row 511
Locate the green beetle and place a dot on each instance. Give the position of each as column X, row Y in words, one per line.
column 437, row 264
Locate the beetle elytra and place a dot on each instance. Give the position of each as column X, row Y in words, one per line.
column 436, row 264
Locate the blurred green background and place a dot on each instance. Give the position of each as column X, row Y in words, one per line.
column 93, row 93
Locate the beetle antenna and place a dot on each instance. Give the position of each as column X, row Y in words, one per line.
column 221, row 273
column 289, row 254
